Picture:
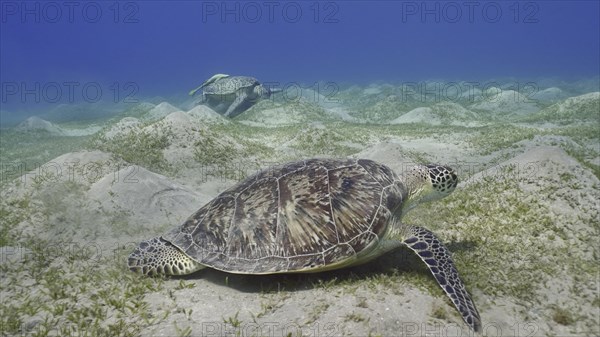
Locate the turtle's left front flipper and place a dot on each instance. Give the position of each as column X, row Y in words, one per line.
column 439, row 260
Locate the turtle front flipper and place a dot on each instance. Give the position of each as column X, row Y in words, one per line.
column 237, row 106
column 157, row 256
column 439, row 260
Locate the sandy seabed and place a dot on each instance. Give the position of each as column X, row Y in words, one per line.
column 523, row 224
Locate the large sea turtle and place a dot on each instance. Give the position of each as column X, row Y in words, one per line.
column 232, row 95
column 310, row 216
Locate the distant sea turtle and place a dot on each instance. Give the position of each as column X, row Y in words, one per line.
column 232, row 95
column 311, row 216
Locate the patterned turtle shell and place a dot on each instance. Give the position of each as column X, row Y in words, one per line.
column 230, row 85
column 301, row 216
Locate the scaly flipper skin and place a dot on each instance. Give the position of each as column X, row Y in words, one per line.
column 438, row 259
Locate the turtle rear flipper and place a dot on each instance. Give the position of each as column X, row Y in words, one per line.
column 211, row 80
column 438, row 259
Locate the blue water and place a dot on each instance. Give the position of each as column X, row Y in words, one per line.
column 168, row 47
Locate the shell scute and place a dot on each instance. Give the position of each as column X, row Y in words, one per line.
column 305, row 223
column 338, row 253
column 252, row 233
column 354, row 205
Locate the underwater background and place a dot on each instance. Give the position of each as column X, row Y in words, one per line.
column 165, row 48
column 103, row 146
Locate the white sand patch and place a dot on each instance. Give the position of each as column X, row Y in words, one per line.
column 506, row 102
column 372, row 90
column 160, row 111
column 443, row 113
column 207, row 115
column 84, row 167
column 146, row 195
column 178, row 124
column 549, row 95
column 187, row 134
column 293, row 112
column 343, row 114
column 138, row 110
column 36, row 124
column 418, row 115
column 539, row 161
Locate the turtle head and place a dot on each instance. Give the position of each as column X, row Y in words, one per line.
column 266, row 90
column 262, row 91
column 158, row 256
column 427, row 183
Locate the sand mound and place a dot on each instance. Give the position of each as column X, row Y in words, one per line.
column 535, row 162
column 418, row 115
column 550, row 95
column 84, row 167
column 386, row 108
column 206, row 115
column 147, row 195
column 179, row 125
column 496, row 100
column 160, row 111
column 584, row 107
column 191, row 140
column 372, row 90
column 37, row 124
column 444, row 113
column 138, row 110
column 272, row 114
column 400, row 154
